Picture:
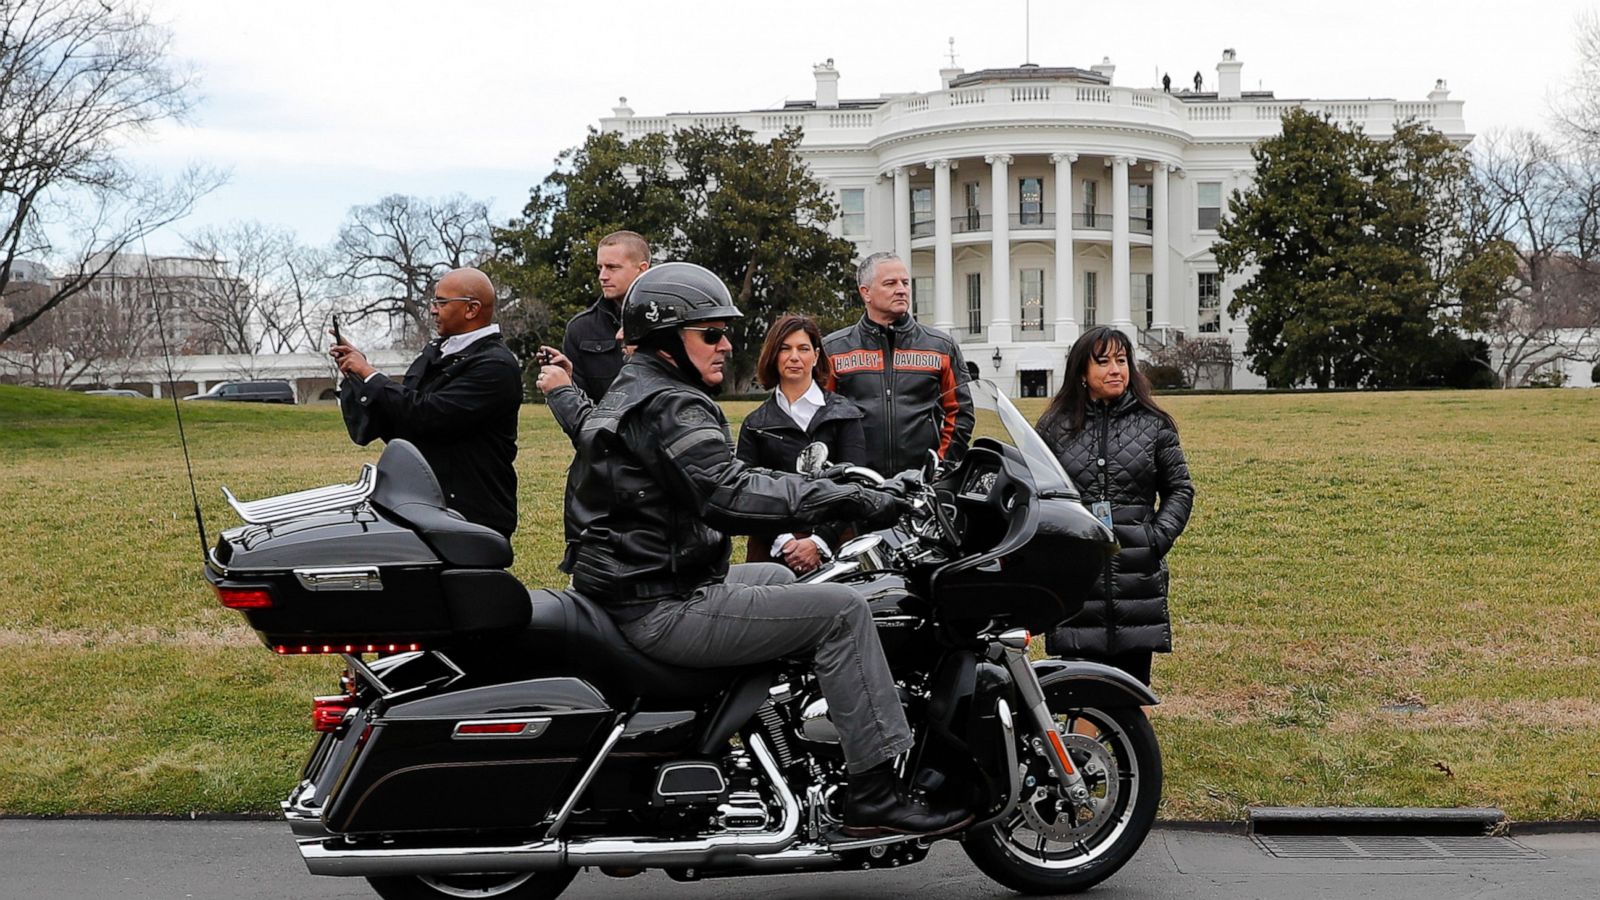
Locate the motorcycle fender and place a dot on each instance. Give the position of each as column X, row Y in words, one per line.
column 1086, row 683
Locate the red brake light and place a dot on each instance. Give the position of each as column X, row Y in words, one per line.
column 327, row 713
column 244, row 598
column 491, row 728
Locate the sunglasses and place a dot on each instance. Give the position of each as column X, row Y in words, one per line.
column 437, row 302
column 711, row 334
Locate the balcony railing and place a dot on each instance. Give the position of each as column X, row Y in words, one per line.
column 971, row 221
column 968, row 335
column 1033, row 220
column 922, row 228
column 1035, row 330
column 1140, row 225
column 1092, row 221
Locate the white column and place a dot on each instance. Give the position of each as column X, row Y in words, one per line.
column 1161, row 316
column 1121, row 305
column 155, row 389
column 944, row 307
column 902, row 214
column 1066, row 278
column 1000, row 249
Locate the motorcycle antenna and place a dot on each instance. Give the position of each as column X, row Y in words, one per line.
column 172, row 388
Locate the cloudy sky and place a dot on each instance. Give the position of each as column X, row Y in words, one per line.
column 316, row 106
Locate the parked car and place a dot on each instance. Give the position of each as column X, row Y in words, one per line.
column 249, row 392
column 114, row 392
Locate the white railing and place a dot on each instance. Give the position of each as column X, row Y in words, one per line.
column 850, row 120
column 1248, row 118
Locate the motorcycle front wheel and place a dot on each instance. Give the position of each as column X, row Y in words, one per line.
column 1050, row 846
column 496, row 885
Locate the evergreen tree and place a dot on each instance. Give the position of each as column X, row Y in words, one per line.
column 1361, row 271
column 748, row 210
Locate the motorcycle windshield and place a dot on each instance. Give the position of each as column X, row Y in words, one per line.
column 996, row 418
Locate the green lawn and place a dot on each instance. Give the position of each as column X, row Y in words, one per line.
column 1348, row 552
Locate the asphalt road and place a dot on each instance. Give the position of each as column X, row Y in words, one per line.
column 164, row 860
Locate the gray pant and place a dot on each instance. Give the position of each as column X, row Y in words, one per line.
column 759, row 614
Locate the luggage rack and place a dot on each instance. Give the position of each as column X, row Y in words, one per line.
column 282, row 508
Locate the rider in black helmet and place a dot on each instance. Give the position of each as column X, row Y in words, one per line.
column 655, row 491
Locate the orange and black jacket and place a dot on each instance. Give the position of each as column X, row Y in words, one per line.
column 911, row 382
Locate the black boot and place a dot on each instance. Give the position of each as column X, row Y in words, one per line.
column 877, row 805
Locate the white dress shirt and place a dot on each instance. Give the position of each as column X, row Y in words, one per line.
column 802, row 411
column 456, row 343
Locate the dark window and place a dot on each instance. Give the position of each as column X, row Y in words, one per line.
column 1210, row 303
column 1030, row 201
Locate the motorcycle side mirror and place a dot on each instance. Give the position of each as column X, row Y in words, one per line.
column 972, row 371
column 813, row 459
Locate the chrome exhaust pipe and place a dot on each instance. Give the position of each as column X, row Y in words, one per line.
column 327, row 857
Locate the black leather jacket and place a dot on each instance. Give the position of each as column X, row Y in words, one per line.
column 655, row 490
column 920, row 404
column 591, row 344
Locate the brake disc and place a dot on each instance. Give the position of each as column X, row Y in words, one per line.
column 1055, row 817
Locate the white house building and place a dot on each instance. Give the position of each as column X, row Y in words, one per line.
column 1032, row 202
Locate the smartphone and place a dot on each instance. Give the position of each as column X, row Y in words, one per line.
column 337, row 337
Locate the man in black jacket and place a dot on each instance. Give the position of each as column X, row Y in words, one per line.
column 458, row 402
column 591, row 341
column 908, row 378
column 656, row 485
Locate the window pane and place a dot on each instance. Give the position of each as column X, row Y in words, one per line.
column 1209, row 300
column 1091, row 283
column 1089, row 200
column 974, row 303
column 1210, row 193
column 922, row 297
column 1032, row 299
column 853, row 209
column 1030, row 199
column 921, row 211
column 1208, row 202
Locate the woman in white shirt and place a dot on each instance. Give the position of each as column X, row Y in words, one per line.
column 799, row 412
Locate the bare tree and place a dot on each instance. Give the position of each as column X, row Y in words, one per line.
column 1544, row 203
column 96, row 339
column 1196, row 357
column 1577, row 109
column 78, row 78
column 263, row 292
column 389, row 255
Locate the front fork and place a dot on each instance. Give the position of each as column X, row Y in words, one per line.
column 1012, row 647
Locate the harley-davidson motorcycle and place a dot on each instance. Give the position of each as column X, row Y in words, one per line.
column 491, row 741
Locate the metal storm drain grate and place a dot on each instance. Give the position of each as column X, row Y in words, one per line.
column 1393, row 846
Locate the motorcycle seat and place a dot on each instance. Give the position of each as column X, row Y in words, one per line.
column 408, row 491
column 592, row 646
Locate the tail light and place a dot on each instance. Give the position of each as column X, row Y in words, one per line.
column 244, row 598
column 328, row 713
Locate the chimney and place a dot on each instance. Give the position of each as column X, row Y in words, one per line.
column 949, row 74
column 827, row 85
column 1228, row 76
column 1104, row 67
column 1440, row 92
column 622, row 110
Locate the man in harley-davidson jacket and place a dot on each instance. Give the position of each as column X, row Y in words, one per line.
column 656, row 486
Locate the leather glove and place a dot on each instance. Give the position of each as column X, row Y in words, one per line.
column 879, row 509
column 903, row 485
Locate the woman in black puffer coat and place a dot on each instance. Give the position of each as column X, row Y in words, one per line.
column 1122, row 452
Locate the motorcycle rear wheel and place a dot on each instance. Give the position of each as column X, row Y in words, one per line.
column 496, row 885
column 1040, row 849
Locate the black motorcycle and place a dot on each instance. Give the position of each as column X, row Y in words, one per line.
column 489, row 741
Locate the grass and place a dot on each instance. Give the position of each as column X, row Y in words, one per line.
column 1382, row 599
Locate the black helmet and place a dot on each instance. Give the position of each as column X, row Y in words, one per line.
column 674, row 294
